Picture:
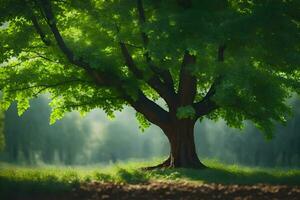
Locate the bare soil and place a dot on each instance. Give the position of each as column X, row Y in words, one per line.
column 186, row 191
column 173, row 190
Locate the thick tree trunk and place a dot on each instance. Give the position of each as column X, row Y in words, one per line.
column 183, row 150
column 182, row 147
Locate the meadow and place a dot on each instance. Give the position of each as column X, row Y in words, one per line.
column 60, row 179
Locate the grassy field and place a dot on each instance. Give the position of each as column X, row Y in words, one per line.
column 61, row 179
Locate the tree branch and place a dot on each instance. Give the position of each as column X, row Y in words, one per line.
column 153, row 81
column 129, row 61
column 153, row 112
column 39, row 55
column 46, row 6
column 142, row 19
column 97, row 77
column 39, row 30
column 187, row 82
column 165, row 74
column 207, row 105
column 204, row 107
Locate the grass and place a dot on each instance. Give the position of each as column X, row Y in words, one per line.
column 52, row 179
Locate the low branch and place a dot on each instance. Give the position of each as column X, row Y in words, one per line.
column 153, row 112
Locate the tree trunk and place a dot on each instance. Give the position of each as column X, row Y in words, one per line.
column 182, row 146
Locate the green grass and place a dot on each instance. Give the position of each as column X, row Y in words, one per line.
column 63, row 179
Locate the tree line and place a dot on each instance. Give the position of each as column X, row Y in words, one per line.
column 74, row 140
column 31, row 140
column 249, row 147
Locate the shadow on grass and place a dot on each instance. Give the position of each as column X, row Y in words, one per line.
column 225, row 176
column 25, row 182
column 217, row 173
column 15, row 188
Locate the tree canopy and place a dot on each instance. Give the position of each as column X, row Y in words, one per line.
column 235, row 59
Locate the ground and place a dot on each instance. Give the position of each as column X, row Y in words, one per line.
column 127, row 181
column 185, row 191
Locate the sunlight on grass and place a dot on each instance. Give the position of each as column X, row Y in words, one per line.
column 54, row 178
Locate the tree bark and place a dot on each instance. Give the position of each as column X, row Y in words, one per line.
column 182, row 146
column 183, row 150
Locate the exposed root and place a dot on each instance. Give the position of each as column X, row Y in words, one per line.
column 163, row 165
column 167, row 164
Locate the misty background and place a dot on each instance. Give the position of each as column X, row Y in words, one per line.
column 93, row 139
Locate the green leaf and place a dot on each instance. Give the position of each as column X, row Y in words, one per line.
column 56, row 114
column 143, row 122
column 22, row 105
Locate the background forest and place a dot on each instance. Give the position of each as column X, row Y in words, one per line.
column 92, row 139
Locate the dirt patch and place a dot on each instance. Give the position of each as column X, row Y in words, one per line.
column 170, row 190
column 185, row 190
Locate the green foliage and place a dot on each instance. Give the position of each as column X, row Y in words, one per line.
column 185, row 112
column 2, row 139
column 260, row 70
column 144, row 123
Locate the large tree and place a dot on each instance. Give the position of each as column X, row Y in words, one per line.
column 232, row 59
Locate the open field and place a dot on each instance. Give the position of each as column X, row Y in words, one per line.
column 127, row 181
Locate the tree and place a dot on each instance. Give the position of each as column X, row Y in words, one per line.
column 236, row 60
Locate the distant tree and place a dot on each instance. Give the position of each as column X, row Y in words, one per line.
column 24, row 136
column 31, row 135
column 232, row 59
column 249, row 148
column 70, row 137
